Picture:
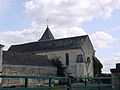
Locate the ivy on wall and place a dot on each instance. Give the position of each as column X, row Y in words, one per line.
column 59, row 65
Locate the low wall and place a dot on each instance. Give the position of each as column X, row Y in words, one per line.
column 16, row 70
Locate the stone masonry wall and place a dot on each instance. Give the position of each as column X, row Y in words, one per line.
column 89, row 52
column 15, row 70
column 62, row 54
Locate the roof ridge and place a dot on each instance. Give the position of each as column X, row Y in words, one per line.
column 64, row 38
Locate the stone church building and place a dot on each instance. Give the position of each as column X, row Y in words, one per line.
column 75, row 53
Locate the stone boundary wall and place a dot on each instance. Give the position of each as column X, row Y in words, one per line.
column 21, row 70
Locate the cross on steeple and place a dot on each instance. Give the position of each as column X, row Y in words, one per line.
column 47, row 22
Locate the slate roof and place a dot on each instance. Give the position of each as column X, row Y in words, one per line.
column 50, row 45
column 47, row 35
column 14, row 58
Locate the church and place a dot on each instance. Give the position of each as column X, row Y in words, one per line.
column 75, row 53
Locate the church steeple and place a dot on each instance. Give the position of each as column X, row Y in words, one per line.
column 47, row 35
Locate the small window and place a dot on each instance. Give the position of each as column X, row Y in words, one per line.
column 80, row 58
column 88, row 59
column 67, row 59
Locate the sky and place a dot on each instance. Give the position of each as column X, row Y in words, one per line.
column 23, row 21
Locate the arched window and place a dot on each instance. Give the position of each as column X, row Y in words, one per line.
column 88, row 60
column 67, row 59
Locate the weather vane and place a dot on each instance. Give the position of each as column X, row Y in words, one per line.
column 47, row 22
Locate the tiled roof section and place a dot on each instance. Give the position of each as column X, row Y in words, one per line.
column 47, row 35
column 15, row 58
column 50, row 45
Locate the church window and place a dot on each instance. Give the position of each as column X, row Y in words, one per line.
column 81, row 58
column 88, row 59
column 67, row 59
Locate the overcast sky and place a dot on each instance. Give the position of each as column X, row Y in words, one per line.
column 23, row 21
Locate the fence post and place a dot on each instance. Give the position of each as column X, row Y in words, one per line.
column 69, row 84
column 26, row 82
column 119, row 83
column 85, row 82
column 98, row 84
column 50, row 83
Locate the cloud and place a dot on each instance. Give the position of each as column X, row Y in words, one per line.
column 68, row 32
column 117, row 56
column 102, row 40
column 108, row 6
column 69, row 12
column 65, row 16
column 110, row 61
column 20, row 36
column 114, row 29
column 61, row 12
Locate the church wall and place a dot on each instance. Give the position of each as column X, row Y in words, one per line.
column 21, row 70
column 72, row 59
column 89, row 52
column 80, row 66
column 72, row 55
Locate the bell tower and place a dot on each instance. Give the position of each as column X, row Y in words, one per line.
column 47, row 35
